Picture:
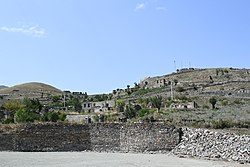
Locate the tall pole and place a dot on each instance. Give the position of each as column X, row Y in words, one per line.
column 64, row 100
column 174, row 66
column 172, row 96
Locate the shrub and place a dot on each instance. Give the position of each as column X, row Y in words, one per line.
column 205, row 106
column 221, row 124
column 224, row 102
column 143, row 112
column 156, row 102
column 237, row 101
column 62, row 117
column 8, row 120
column 129, row 112
column 53, row 116
column 180, row 89
column 213, row 101
column 24, row 115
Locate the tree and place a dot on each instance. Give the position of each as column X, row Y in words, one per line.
column 56, row 99
column 12, row 106
column 32, row 105
column 120, row 105
column 213, row 101
column 76, row 103
column 130, row 112
column 24, row 115
column 175, row 81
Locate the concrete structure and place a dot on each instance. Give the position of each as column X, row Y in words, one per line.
column 79, row 118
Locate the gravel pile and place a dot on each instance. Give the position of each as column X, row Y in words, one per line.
column 206, row 144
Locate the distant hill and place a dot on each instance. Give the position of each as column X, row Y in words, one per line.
column 3, row 87
column 32, row 89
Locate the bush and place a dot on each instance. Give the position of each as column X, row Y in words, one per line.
column 180, row 89
column 9, row 120
column 213, row 101
column 62, row 117
column 143, row 112
column 24, row 115
column 221, row 124
column 205, row 106
column 53, row 117
column 237, row 101
column 129, row 112
column 224, row 102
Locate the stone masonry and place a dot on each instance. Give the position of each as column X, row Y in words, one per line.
column 91, row 137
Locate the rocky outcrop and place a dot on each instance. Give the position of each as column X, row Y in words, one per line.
column 207, row 144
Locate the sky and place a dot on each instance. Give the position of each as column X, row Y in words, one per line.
column 96, row 46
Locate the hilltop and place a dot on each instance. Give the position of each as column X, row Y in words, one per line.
column 3, row 87
column 31, row 90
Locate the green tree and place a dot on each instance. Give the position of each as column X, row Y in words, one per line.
column 12, row 105
column 53, row 116
column 76, row 103
column 129, row 112
column 56, row 99
column 24, row 115
column 175, row 81
column 33, row 105
column 120, row 105
column 213, row 101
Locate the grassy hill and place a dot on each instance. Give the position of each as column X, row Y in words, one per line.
column 31, row 90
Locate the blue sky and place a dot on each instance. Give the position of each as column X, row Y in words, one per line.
column 97, row 46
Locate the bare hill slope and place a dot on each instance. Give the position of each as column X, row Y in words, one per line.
column 31, row 89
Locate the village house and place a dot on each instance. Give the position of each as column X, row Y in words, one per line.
column 101, row 106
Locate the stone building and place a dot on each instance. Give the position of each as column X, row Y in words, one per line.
column 101, row 106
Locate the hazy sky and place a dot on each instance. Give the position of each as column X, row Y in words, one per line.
column 97, row 46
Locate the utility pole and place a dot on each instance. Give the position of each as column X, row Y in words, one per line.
column 172, row 96
column 174, row 66
column 64, row 102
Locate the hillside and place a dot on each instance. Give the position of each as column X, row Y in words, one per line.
column 31, row 90
column 3, row 87
column 186, row 97
column 201, row 82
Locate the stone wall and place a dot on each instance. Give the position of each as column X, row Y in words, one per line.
column 52, row 137
column 144, row 138
column 105, row 137
column 92, row 137
column 207, row 144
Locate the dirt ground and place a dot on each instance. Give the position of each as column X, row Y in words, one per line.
column 91, row 159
